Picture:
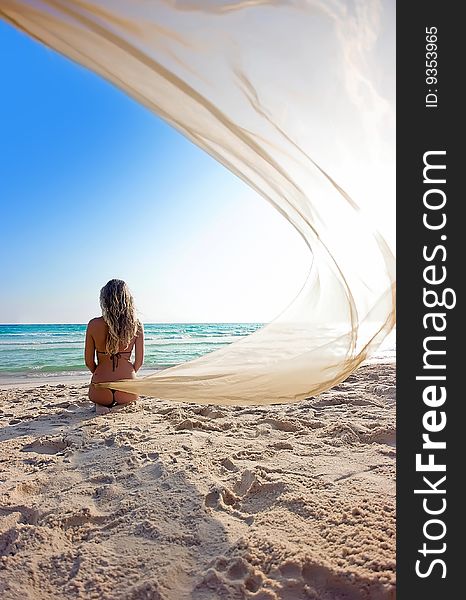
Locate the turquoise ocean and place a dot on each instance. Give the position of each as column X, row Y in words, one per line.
column 34, row 351
column 41, row 350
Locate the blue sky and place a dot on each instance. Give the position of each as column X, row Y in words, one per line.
column 94, row 186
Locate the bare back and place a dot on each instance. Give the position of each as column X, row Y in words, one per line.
column 114, row 367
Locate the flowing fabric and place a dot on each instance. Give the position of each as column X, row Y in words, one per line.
column 294, row 97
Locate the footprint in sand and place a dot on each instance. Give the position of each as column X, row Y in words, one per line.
column 189, row 424
column 282, row 446
column 10, row 518
column 80, row 524
column 247, row 497
column 384, row 391
column 46, row 446
column 102, row 478
column 20, row 514
column 248, row 455
column 29, row 488
column 282, row 424
column 239, row 569
column 297, row 578
column 221, row 498
column 145, row 591
column 248, row 478
column 381, row 435
column 228, row 464
column 231, row 575
column 210, row 412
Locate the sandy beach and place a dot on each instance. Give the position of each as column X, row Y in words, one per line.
column 167, row 501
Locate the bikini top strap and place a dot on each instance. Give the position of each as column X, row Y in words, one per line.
column 115, row 357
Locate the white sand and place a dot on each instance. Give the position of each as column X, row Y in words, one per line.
column 169, row 502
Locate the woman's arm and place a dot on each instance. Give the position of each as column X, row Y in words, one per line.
column 89, row 350
column 139, row 349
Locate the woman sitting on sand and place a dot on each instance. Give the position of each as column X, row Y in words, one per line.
column 110, row 340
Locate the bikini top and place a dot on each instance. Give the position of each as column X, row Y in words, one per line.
column 115, row 357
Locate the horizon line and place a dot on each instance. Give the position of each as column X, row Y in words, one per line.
column 155, row 323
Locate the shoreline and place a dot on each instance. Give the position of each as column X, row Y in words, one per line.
column 9, row 381
column 28, row 381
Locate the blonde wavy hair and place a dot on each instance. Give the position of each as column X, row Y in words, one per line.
column 119, row 313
